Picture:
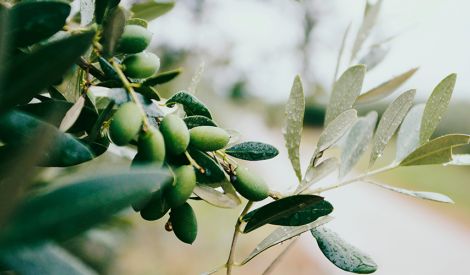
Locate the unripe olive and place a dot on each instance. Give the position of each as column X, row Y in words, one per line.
column 208, row 138
column 249, row 185
column 182, row 187
column 176, row 134
column 151, row 147
column 125, row 124
column 154, row 209
column 134, row 39
column 141, row 65
column 184, row 223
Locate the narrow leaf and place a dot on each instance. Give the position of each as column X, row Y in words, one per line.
column 151, row 9
column 73, row 208
column 345, row 91
column 436, row 151
column 21, row 87
column 342, row 254
column 162, row 77
column 113, row 28
column 295, row 109
column 368, row 23
column 389, row 123
column 408, row 135
column 44, row 259
column 293, row 211
column 385, row 89
column 436, row 107
column 357, row 141
column 282, row 234
column 213, row 173
column 253, row 151
column 195, row 121
column 336, row 129
column 340, row 53
column 418, row 194
column 374, row 56
column 316, row 173
column 192, row 106
column 216, row 198
column 72, row 114
column 87, row 11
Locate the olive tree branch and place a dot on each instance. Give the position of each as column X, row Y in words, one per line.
column 236, row 233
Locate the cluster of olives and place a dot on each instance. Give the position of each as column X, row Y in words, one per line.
column 194, row 153
column 137, row 63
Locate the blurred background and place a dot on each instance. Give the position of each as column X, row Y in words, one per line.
column 241, row 57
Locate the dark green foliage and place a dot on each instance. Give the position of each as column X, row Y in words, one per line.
column 252, row 150
column 192, row 106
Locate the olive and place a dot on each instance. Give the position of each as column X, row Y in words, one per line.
column 184, row 223
column 151, row 147
column 176, row 134
column 249, row 185
column 183, row 184
column 125, row 124
column 141, row 65
column 208, row 138
column 134, row 39
column 155, row 208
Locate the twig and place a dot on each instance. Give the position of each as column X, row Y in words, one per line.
column 236, row 233
column 82, row 63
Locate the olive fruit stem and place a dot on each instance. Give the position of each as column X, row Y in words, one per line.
column 356, row 179
column 236, row 233
column 132, row 93
column 194, row 163
column 226, row 158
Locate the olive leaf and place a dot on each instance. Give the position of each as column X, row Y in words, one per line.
column 33, row 21
column 370, row 18
column 293, row 211
column 385, row 89
column 216, row 198
column 151, row 9
column 375, row 55
column 47, row 258
column 212, row 170
column 417, row 194
column 75, row 207
column 408, row 135
column 389, row 123
column 295, row 109
column 436, row 107
column 87, row 11
column 341, row 51
column 21, row 87
column 113, row 27
column 19, row 129
column 342, row 254
column 436, row 151
column 102, row 7
column 336, row 129
column 315, row 173
column 191, row 105
column 195, row 121
column 356, row 142
column 282, row 234
column 345, row 91
column 72, row 114
column 162, row 77
column 253, row 151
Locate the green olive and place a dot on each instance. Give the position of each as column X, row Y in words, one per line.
column 151, row 147
column 134, row 39
column 141, row 65
column 182, row 187
column 249, row 185
column 155, row 208
column 176, row 134
column 184, row 223
column 208, row 138
column 125, row 124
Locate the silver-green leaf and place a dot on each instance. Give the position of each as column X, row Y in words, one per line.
column 418, row 194
column 357, row 141
column 345, row 91
column 336, row 129
column 436, row 151
column 315, row 173
column 216, row 198
column 342, row 254
column 385, row 89
column 282, row 234
column 295, row 109
column 408, row 135
column 389, row 123
column 436, row 107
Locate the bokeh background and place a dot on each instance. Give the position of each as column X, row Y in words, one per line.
column 241, row 57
